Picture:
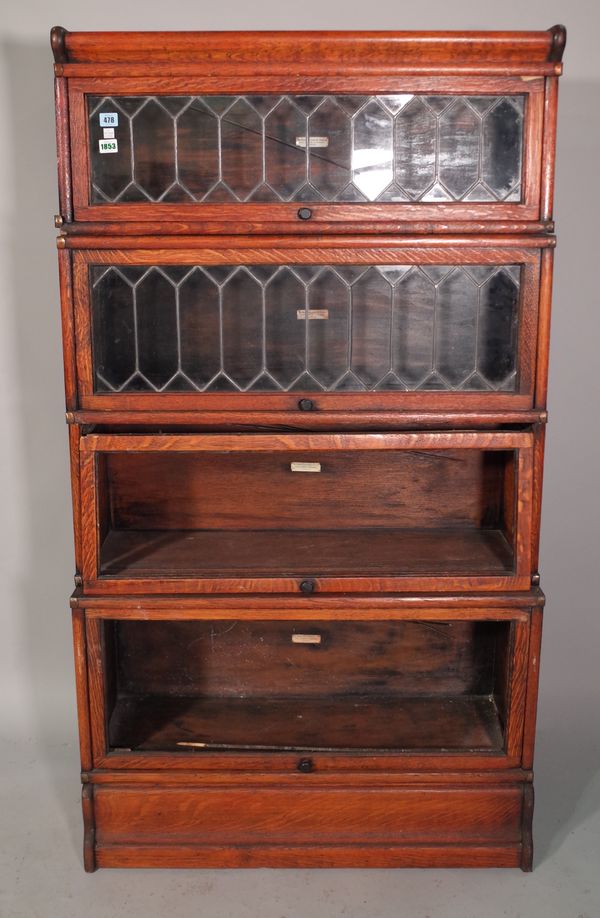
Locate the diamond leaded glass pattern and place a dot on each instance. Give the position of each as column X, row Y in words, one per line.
column 394, row 148
column 318, row 328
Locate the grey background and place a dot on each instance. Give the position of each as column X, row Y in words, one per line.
column 40, row 826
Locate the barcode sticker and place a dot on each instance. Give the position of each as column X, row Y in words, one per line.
column 108, row 133
column 109, row 119
column 108, row 146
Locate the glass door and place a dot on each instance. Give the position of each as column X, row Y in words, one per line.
column 286, row 328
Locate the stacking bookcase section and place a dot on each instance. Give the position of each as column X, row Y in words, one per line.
column 386, row 693
column 301, row 512
column 302, row 332
column 343, row 130
column 357, row 731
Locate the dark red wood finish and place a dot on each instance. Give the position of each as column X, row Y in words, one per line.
column 127, row 557
column 329, row 408
column 283, row 217
column 470, row 786
column 470, row 484
column 335, row 62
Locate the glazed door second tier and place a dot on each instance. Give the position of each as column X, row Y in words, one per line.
column 292, row 328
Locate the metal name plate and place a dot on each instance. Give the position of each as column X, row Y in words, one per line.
column 312, row 314
column 312, row 141
column 305, row 466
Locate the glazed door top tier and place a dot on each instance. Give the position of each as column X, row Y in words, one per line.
column 298, row 131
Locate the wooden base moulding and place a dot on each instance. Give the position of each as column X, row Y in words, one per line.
column 296, row 824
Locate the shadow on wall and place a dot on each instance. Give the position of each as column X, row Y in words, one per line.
column 567, row 751
column 44, row 618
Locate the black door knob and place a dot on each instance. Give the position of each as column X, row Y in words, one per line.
column 305, row 766
column 306, row 404
column 305, row 213
column 307, row 586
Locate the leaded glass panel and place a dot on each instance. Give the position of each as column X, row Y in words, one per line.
column 269, row 328
column 396, row 148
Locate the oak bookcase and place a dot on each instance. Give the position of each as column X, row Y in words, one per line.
column 305, row 282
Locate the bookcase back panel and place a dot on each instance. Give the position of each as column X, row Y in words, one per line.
column 306, row 491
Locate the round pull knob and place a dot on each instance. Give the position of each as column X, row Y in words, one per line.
column 305, row 213
column 307, row 586
column 305, row 766
column 306, row 404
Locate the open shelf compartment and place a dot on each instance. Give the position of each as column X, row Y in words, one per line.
column 201, row 687
column 325, row 512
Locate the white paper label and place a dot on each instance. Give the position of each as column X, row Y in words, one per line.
column 109, row 119
column 108, row 133
column 108, row 146
column 312, row 141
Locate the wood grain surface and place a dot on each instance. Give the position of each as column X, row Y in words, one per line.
column 404, row 736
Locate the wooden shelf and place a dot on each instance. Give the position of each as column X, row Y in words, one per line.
column 462, row 723
column 181, row 553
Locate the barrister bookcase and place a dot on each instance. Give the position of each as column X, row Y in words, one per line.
column 305, row 283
